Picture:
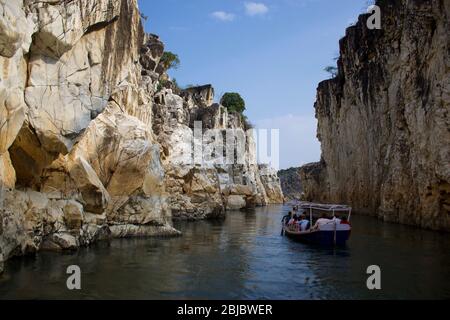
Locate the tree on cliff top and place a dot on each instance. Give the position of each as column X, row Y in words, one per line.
column 332, row 70
column 170, row 60
column 233, row 102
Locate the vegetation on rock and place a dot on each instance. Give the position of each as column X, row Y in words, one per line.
column 170, row 60
column 233, row 102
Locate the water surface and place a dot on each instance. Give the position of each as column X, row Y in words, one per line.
column 243, row 257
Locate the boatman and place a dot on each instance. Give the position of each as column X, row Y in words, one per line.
column 285, row 220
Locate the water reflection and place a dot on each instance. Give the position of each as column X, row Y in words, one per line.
column 243, row 257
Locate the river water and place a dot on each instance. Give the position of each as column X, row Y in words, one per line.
column 243, row 257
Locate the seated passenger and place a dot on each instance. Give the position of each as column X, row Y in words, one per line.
column 292, row 221
column 345, row 221
column 322, row 220
column 337, row 218
column 304, row 223
column 296, row 224
column 285, row 220
column 292, row 225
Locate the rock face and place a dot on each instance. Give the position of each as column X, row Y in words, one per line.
column 205, row 188
column 91, row 126
column 291, row 183
column 384, row 120
column 78, row 159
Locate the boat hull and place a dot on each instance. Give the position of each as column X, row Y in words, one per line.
column 325, row 238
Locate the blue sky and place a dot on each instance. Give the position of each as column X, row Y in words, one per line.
column 272, row 52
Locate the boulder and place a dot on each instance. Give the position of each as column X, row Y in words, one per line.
column 236, row 202
column 123, row 155
column 95, row 197
column 65, row 241
column 238, row 189
column 73, row 215
column 73, row 177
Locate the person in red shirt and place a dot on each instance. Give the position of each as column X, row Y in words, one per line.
column 345, row 221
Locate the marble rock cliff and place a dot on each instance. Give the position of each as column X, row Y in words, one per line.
column 89, row 121
column 208, row 190
column 291, row 183
column 384, row 120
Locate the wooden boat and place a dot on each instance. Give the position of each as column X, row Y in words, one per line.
column 321, row 237
column 329, row 234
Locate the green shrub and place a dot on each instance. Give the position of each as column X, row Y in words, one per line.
column 233, row 102
column 170, row 60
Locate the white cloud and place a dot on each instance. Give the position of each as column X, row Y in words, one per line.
column 254, row 8
column 223, row 16
column 298, row 142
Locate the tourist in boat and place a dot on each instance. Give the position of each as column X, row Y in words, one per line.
column 345, row 221
column 303, row 223
column 299, row 223
column 337, row 218
column 292, row 221
column 300, row 212
column 322, row 220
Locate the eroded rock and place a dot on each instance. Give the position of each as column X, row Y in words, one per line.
column 91, row 128
column 383, row 121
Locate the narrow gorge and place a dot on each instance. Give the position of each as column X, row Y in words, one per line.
column 91, row 127
column 384, row 119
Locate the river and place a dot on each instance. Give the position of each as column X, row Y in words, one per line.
column 243, row 257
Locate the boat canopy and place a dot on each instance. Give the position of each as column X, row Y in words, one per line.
column 323, row 207
column 310, row 206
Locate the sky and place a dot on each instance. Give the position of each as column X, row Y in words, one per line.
column 272, row 52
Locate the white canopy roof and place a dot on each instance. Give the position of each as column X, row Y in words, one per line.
column 323, row 207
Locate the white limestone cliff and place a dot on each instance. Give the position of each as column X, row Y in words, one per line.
column 384, row 120
column 87, row 131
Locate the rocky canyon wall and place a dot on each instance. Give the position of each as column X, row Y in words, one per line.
column 89, row 123
column 208, row 190
column 291, row 183
column 384, row 120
